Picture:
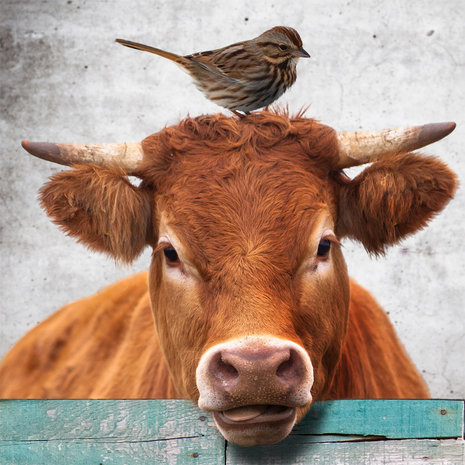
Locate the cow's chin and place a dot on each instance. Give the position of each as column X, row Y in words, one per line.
column 253, row 425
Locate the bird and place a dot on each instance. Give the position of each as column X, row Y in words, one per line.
column 244, row 76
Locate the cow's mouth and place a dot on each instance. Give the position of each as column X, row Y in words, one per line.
column 255, row 424
column 255, row 414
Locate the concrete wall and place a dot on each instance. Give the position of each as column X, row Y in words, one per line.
column 374, row 65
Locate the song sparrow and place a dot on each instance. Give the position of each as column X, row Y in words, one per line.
column 243, row 76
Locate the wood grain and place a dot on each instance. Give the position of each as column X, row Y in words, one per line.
column 175, row 431
column 395, row 452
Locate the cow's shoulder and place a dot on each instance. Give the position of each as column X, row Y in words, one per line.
column 104, row 345
column 374, row 363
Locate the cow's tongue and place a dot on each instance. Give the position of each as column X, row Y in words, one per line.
column 248, row 412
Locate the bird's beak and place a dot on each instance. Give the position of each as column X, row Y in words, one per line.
column 301, row 53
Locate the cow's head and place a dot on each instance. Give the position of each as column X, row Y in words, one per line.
column 248, row 284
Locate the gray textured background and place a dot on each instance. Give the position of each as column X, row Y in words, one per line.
column 374, row 65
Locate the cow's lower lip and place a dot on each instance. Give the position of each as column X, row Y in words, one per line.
column 252, row 414
column 255, row 424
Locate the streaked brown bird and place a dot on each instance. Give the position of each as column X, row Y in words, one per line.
column 243, row 76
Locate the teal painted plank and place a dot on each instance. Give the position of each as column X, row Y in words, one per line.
column 207, row 450
column 102, row 419
column 352, row 432
column 386, row 418
column 391, row 452
column 147, row 419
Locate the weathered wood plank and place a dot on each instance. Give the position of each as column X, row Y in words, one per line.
column 137, row 420
column 420, row 419
column 391, row 452
column 206, row 450
column 149, row 419
column 350, row 432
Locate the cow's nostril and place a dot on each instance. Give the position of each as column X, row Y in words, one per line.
column 222, row 370
column 290, row 369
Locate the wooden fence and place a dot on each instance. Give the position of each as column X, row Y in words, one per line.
column 132, row 432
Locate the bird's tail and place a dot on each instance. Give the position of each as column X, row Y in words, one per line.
column 147, row 48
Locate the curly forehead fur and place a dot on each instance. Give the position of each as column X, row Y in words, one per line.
column 260, row 136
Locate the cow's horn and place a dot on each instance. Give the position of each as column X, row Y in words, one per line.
column 356, row 148
column 125, row 155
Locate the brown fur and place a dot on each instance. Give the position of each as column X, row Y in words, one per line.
column 372, row 338
column 245, row 197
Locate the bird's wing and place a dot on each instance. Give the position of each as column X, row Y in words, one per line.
column 224, row 62
column 209, row 68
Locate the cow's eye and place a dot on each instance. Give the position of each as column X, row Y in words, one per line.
column 171, row 256
column 323, row 248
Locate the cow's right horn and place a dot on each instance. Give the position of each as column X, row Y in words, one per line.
column 124, row 155
column 356, row 148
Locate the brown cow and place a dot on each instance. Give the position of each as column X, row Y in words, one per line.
column 255, row 316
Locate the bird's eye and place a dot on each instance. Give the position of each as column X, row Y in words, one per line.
column 171, row 256
column 323, row 248
column 283, row 47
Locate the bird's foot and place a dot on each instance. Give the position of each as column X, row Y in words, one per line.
column 240, row 115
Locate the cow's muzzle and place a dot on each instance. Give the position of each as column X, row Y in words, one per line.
column 253, row 386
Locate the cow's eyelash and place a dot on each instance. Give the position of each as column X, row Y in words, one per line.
column 161, row 246
column 331, row 238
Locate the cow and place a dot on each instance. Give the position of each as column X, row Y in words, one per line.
column 247, row 308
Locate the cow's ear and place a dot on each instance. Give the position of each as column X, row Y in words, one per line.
column 393, row 198
column 101, row 208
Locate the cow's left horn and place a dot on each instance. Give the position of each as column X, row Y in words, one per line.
column 356, row 148
column 125, row 155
